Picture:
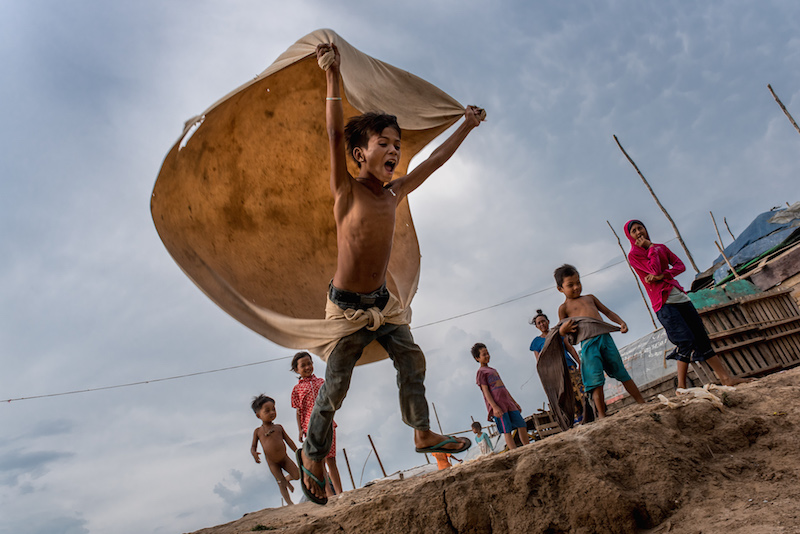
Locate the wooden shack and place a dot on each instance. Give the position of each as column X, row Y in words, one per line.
column 753, row 334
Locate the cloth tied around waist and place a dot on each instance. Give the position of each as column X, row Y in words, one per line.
column 343, row 322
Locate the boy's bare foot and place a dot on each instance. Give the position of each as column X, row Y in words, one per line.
column 736, row 381
column 311, row 476
column 426, row 441
column 289, row 484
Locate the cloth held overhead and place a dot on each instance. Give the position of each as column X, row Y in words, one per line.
column 243, row 204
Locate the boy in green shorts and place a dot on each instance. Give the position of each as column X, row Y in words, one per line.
column 598, row 352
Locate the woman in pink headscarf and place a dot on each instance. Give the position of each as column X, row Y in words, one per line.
column 657, row 267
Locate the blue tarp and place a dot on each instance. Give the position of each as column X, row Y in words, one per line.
column 766, row 232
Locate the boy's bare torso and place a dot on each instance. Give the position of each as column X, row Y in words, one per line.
column 272, row 443
column 583, row 306
column 365, row 218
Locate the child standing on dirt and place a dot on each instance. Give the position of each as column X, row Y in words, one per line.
column 271, row 436
column 364, row 210
column 303, row 396
column 503, row 409
column 482, row 438
column 657, row 266
column 599, row 353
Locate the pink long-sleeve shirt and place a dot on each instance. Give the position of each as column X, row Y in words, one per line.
column 657, row 259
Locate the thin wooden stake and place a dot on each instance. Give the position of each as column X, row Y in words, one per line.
column 352, row 481
column 638, row 283
column 785, row 111
column 725, row 220
column 674, row 227
column 437, row 418
column 376, row 455
column 735, row 274
column 716, row 229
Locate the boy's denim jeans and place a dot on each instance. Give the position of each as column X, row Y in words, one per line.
column 408, row 360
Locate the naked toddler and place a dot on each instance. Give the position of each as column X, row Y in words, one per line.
column 272, row 437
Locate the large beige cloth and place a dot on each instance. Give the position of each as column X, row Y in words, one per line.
column 243, row 201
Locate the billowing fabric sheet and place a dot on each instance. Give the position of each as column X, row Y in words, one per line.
column 243, row 201
column 553, row 372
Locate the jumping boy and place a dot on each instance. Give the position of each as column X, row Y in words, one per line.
column 364, row 211
column 598, row 353
column 272, row 436
column 503, row 409
column 304, row 394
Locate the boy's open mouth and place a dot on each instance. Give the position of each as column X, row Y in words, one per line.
column 390, row 165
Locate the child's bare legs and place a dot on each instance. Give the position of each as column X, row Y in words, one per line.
column 333, row 471
column 717, row 367
column 510, row 441
column 522, row 433
column 722, row 373
column 283, row 482
column 633, row 391
column 683, row 368
column 599, row 399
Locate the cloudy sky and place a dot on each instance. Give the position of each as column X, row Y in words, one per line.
column 95, row 93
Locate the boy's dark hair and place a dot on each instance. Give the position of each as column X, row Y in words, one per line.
column 476, row 426
column 564, row 271
column 297, row 359
column 476, row 350
column 260, row 401
column 359, row 129
column 539, row 313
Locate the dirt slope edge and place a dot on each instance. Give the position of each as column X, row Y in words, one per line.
column 648, row 468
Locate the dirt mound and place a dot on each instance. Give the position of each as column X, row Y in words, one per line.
column 647, row 469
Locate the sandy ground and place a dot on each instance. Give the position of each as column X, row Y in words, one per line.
column 647, row 469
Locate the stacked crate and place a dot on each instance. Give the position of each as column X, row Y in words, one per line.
column 753, row 335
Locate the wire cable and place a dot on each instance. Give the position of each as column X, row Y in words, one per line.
column 90, row 390
column 509, row 301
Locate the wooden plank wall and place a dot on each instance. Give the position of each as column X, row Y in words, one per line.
column 754, row 335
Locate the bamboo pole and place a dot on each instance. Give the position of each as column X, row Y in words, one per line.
column 638, row 283
column 647, row 184
column 376, row 456
column 725, row 220
column 716, row 229
column 735, row 274
column 785, row 111
column 437, row 418
column 352, row 481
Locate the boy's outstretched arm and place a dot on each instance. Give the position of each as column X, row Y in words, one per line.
column 254, row 447
column 300, row 426
column 288, row 440
column 623, row 328
column 406, row 184
column 334, row 119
